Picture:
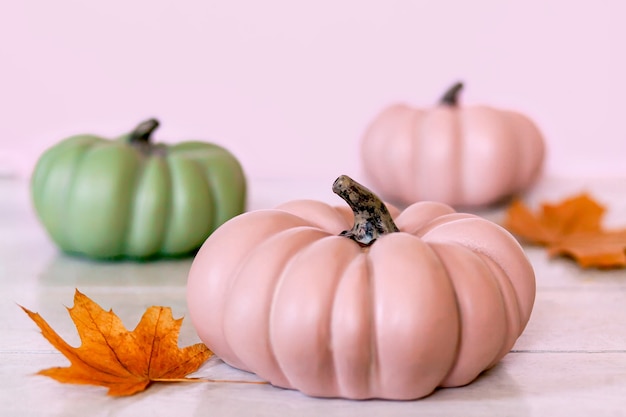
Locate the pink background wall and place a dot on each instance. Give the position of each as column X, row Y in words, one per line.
column 289, row 86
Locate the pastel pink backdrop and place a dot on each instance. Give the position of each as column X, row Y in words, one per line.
column 289, row 86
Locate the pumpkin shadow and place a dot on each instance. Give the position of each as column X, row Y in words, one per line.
column 494, row 212
column 495, row 392
column 72, row 271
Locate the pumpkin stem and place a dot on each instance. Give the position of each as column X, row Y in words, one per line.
column 451, row 97
column 143, row 131
column 371, row 217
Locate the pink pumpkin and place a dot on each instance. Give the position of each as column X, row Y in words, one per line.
column 462, row 156
column 354, row 303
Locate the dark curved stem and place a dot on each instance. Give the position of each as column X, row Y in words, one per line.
column 371, row 217
column 451, row 97
column 143, row 131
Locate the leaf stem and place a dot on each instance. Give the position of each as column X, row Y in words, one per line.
column 219, row 381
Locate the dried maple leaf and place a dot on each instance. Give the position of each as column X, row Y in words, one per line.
column 124, row 361
column 573, row 215
column 572, row 227
column 603, row 249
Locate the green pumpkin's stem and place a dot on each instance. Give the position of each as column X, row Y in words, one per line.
column 371, row 217
column 143, row 131
column 451, row 97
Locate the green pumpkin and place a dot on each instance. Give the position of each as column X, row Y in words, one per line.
column 130, row 198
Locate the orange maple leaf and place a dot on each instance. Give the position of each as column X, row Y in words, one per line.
column 124, row 361
column 573, row 228
column 606, row 249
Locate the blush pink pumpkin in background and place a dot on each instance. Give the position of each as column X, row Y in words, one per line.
column 361, row 302
column 458, row 155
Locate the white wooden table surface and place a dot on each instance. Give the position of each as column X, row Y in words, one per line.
column 571, row 360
